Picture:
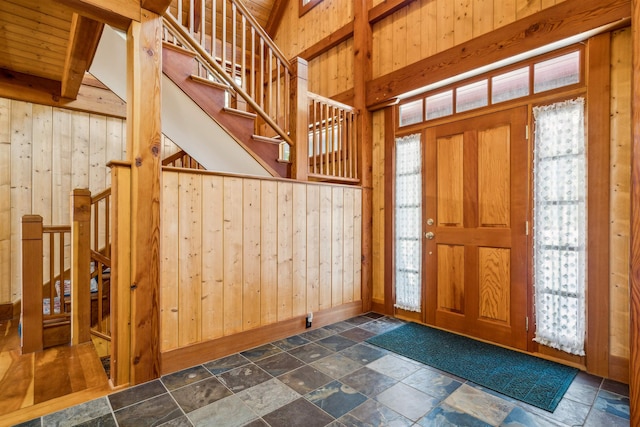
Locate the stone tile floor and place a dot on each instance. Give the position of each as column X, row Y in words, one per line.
column 331, row 377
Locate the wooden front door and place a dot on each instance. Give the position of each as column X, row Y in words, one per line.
column 474, row 216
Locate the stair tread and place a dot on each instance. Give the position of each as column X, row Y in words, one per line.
column 240, row 113
column 208, row 82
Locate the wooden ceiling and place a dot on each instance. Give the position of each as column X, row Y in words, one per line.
column 44, row 43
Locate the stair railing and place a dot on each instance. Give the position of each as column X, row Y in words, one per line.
column 238, row 51
column 100, row 255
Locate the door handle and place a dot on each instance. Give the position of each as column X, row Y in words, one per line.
column 429, row 235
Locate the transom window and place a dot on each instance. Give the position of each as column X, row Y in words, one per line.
column 524, row 79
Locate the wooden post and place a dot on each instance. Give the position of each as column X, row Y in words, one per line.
column 120, row 272
column 299, row 120
column 634, row 256
column 80, row 266
column 144, row 77
column 32, row 284
column 362, row 72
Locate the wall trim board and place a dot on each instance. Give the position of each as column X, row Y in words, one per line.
column 566, row 19
column 181, row 358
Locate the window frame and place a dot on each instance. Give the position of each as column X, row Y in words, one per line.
column 304, row 8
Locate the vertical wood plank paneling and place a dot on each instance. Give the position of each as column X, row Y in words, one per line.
column 325, row 247
column 269, row 252
column 525, row 8
column 504, row 12
column 385, row 48
column 169, row 281
column 429, row 13
column 42, row 152
column 232, row 255
column 620, row 207
column 414, row 31
column 445, row 25
column 482, row 17
column 5, row 201
column 251, row 253
column 337, row 242
column 189, row 259
column 299, row 246
column 285, row 255
column 399, row 45
column 313, row 248
column 348, row 246
column 21, row 152
column 97, row 153
column 115, row 143
column 80, row 155
column 212, row 257
column 357, row 245
column 62, row 166
column 378, row 214
column 463, row 21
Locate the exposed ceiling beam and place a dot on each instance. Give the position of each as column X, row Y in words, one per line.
column 386, row 8
column 157, row 6
column 117, row 13
column 91, row 97
column 275, row 17
column 83, row 41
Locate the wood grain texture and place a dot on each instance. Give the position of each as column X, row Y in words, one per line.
column 494, row 284
column 494, row 177
column 450, row 181
column 451, row 278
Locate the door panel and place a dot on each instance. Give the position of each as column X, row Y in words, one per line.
column 475, row 185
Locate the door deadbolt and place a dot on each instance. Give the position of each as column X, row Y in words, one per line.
column 429, row 235
column 430, row 221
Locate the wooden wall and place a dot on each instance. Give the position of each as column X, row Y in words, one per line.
column 238, row 253
column 620, row 145
column 45, row 152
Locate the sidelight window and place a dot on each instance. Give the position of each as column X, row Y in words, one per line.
column 560, row 225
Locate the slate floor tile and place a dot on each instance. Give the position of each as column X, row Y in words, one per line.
column 616, row 387
column 290, row 342
column 612, row 403
column 336, row 398
column 185, row 377
column 431, row 382
column 279, row 364
column 336, row 365
column 599, row 418
column 407, row 401
column 200, row 394
column 336, row 342
column 182, row 421
column 359, row 320
column 372, row 413
column 444, row 415
column 305, row 379
column 244, row 377
column 338, row 327
column 357, row 334
column 226, row 363
column 268, row 396
column 518, row 417
column 316, row 334
column 310, row 352
column 78, row 414
column 368, row 381
column 394, row 367
column 480, row 404
column 103, row 421
column 364, row 353
column 154, row 411
column 228, row 412
column 136, row 394
column 299, row 413
column 261, row 352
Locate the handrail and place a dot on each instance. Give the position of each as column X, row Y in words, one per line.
column 189, row 42
column 186, row 161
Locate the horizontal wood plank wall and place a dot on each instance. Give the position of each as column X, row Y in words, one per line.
column 45, row 152
column 620, row 203
column 240, row 253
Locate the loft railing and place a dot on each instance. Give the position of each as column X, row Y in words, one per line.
column 100, row 255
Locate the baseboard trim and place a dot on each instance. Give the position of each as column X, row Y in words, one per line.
column 619, row 369
column 9, row 310
column 195, row 354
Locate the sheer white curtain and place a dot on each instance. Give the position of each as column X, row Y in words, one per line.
column 408, row 222
column 559, row 224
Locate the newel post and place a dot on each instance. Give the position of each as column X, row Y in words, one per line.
column 32, row 284
column 299, row 120
column 80, row 266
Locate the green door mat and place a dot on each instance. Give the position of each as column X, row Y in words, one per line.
column 538, row 382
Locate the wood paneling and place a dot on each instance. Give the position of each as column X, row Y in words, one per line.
column 379, row 207
column 450, row 181
column 494, row 283
column 253, row 253
column 47, row 152
column 494, row 172
column 451, row 278
column 619, row 231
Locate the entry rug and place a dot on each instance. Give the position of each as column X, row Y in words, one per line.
column 538, row 382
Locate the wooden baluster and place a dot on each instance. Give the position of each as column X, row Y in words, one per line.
column 52, row 273
column 80, row 261
column 224, row 35
column 233, row 43
column 214, row 26
column 31, row 319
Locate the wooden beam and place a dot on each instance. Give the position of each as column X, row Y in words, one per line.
column 156, row 6
column 275, row 17
column 117, row 13
column 332, row 40
column 83, row 41
column 144, row 132
column 634, row 257
column 362, row 71
column 558, row 22
column 386, row 8
column 598, row 131
column 91, row 99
